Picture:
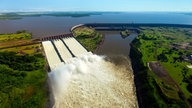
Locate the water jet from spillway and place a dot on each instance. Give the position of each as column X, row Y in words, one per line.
column 92, row 81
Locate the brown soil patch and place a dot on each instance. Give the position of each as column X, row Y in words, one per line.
column 17, row 43
column 162, row 73
column 28, row 92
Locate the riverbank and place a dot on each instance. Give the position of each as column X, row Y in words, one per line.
column 158, row 44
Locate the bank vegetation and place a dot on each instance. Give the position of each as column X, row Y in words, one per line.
column 160, row 56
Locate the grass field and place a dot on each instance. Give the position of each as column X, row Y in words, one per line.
column 88, row 37
column 22, row 50
column 20, row 35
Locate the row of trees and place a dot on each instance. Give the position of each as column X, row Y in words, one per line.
column 17, row 62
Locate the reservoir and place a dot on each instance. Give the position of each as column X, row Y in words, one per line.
column 41, row 26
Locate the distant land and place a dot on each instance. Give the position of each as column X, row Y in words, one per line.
column 20, row 15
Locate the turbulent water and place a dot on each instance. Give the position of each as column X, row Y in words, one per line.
column 93, row 81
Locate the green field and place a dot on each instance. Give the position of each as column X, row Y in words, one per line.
column 88, row 37
column 125, row 33
column 20, row 35
column 170, row 46
column 22, row 74
column 25, row 49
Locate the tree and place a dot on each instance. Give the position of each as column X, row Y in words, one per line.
column 162, row 57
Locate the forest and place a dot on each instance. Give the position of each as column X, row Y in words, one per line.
column 23, row 78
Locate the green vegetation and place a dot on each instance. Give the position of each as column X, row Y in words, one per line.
column 125, row 33
column 20, row 15
column 20, row 35
column 88, row 37
column 24, row 49
column 23, row 79
column 14, row 40
column 168, row 46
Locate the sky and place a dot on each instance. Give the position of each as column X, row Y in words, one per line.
column 96, row 5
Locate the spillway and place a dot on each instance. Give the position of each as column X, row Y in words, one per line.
column 51, row 54
column 64, row 52
column 76, row 48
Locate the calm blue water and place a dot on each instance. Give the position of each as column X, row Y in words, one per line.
column 51, row 25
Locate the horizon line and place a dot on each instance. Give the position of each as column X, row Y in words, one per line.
column 9, row 11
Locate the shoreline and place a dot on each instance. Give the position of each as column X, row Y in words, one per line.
column 99, row 45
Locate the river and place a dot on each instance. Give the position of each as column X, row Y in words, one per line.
column 114, row 44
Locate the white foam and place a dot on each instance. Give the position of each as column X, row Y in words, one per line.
column 189, row 66
column 90, row 81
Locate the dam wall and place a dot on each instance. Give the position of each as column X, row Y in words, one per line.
column 134, row 25
column 124, row 26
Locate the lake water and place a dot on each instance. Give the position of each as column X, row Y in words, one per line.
column 51, row 25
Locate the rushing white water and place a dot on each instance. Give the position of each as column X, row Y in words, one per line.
column 91, row 81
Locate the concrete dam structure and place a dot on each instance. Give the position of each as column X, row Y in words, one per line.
column 60, row 49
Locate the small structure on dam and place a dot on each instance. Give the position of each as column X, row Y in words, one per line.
column 58, row 49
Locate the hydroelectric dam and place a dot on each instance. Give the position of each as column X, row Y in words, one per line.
column 59, row 49
column 78, row 78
